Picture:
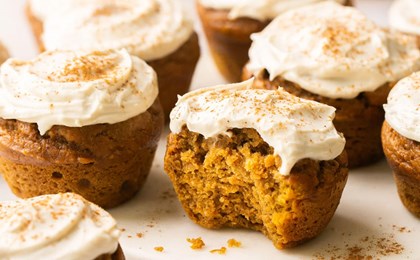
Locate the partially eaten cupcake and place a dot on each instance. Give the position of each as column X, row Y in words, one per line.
column 157, row 31
column 60, row 226
column 401, row 139
column 83, row 122
column 258, row 159
column 228, row 25
column 335, row 55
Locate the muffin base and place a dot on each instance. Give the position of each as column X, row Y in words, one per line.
column 403, row 157
column 234, row 182
column 118, row 255
column 107, row 163
column 359, row 119
column 174, row 71
column 229, row 40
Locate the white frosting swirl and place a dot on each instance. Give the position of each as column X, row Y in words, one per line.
column 403, row 109
column 60, row 226
column 42, row 9
column 76, row 88
column 333, row 51
column 149, row 29
column 404, row 16
column 294, row 127
column 258, row 9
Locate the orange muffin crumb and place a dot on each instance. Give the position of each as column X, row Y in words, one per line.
column 220, row 251
column 196, row 243
column 159, row 248
column 233, row 243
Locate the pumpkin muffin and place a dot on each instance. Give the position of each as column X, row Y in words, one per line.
column 258, row 159
column 228, row 25
column 156, row 31
column 59, row 226
column 404, row 16
column 401, row 139
column 83, row 122
column 338, row 57
column 4, row 54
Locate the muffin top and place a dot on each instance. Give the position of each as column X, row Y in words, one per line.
column 404, row 16
column 402, row 112
column 258, row 9
column 294, row 127
column 60, row 226
column 76, row 88
column 333, row 51
column 149, row 29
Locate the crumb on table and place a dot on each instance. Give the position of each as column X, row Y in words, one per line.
column 233, row 243
column 159, row 248
column 220, row 251
column 196, row 243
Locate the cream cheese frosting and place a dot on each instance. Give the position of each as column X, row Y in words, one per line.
column 150, row 29
column 260, row 9
column 402, row 112
column 60, row 226
column 333, row 51
column 404, row 16
column 294, row 127
column 76, row 89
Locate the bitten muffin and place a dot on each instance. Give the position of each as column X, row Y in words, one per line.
column 404, row 16
column 335, row 55
column 59, row 226
column 156, row 31
column 401, row 139
column 228, row 25
column 4, row 54
column 257, row 159
column 83, row 122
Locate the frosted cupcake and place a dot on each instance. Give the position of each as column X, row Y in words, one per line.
column 60, row 226
column 335, row 55
column 258, row 159
column 401, row 139
column 404, row 16
column 157, row 31
column 228, row 25
column 83, row 122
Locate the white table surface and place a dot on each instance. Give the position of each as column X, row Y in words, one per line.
column 370, row 206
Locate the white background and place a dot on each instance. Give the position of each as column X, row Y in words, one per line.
column 370, row 205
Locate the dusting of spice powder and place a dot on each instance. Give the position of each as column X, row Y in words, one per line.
column 367, row 248
column 93, row 66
